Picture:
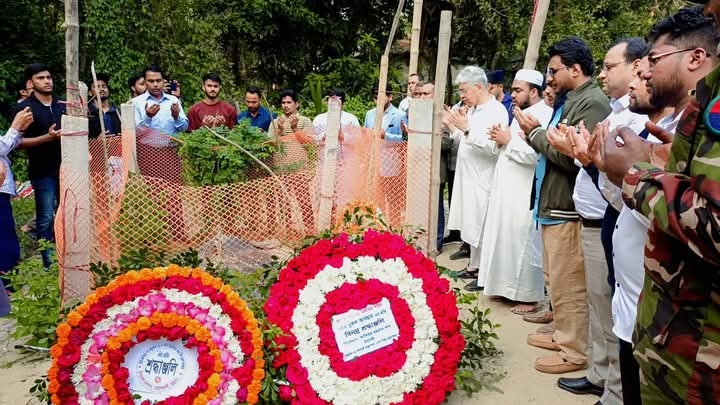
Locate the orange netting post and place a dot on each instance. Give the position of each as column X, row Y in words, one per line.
column 73, row 228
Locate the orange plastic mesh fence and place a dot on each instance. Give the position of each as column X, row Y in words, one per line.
column 240, row 225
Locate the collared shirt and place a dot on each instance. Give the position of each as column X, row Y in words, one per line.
column 621, row 116
column 390, row 158
column 8, row 142
column 261, row 120
column 404, row 105
column 628, row 257
column 589, row 202
column 162, row 124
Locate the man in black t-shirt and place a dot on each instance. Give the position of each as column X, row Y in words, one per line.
column 42, row 141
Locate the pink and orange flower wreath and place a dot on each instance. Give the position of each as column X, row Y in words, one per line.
column 173, row 303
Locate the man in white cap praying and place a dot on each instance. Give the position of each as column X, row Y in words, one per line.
column 512, row 257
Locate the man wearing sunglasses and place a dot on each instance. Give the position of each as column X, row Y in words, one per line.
column 677, row 331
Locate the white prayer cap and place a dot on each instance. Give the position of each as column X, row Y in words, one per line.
column 530, row 76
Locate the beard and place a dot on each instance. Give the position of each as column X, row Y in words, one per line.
column 666, row 96
column 211, row 96
column 642, row 107
column 522, row 104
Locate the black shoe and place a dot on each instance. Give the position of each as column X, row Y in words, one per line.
column 460, row 254
column 451, row 238
column 473, row 287
column 580, row 386
column 465, row 274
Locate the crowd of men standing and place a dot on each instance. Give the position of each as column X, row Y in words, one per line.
column 604, row 197
column 623, row 191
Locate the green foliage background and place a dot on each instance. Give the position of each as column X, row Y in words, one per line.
column 291, row 43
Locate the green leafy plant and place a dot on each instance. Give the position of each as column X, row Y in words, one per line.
column 39, row 390
column 480, row 337
column 23, row 212
column 315, row 86
column 209, row 160
column 358, row 106
column 36, row 303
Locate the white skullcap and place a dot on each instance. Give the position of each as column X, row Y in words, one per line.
column 530, row 76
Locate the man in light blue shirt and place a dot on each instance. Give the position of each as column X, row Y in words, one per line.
column 158, row 115
column 391, row 156
column 9, row 243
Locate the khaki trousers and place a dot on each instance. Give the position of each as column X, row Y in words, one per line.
column 604, row 364
column 565, row 275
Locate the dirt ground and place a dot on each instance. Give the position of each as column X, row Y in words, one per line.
column 519, row 382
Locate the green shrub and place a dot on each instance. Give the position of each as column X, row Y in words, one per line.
column 209, row 160
column 36, row 303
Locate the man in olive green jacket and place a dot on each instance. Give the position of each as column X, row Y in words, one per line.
column 571, row 67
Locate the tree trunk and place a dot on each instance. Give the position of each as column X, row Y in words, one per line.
column 415, row 38
column 536, row 33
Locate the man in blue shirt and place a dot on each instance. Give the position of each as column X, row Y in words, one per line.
column 158, row 115
column 259, row 116
column 392, row 176
column 496, row 87
column 9, row 243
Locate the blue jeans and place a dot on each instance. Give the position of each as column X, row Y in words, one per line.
column 47, row 193
column 9, row 243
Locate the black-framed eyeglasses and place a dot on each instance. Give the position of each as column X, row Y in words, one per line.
column 552, row 71
column 653, row 59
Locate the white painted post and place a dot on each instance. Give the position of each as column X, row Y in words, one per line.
column 439, row 101
column 329, row 167
column 419, row 148
column 129, row 144
column 76, row 240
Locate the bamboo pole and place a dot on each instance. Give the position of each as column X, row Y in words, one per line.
column 381, row 99
column 536, row 33
column 415, row 39
column 441, row 72
column 72, row 62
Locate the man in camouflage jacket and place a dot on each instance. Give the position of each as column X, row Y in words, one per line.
column 677, row 334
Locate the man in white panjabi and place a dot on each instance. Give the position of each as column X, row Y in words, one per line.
column 476, row 159
column 510, row 235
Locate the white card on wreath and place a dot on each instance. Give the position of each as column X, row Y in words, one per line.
column 362, row 331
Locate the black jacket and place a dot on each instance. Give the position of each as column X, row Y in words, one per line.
column 43, row 160
column 94, row 127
